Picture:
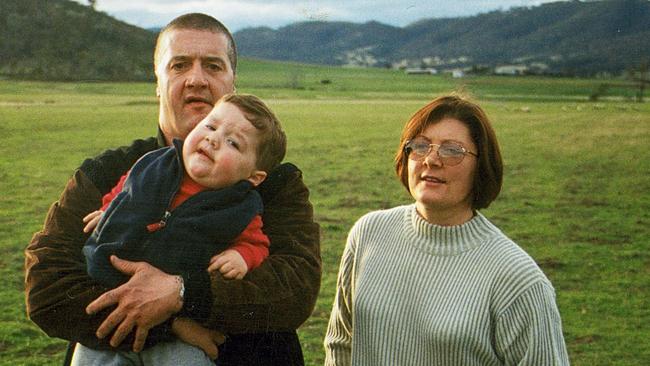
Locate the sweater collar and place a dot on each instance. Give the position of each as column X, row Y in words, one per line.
column 447, row 240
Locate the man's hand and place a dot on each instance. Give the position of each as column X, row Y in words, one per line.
column 91, row 220
column 193, row 333
column 230, row 263
column 149, row 298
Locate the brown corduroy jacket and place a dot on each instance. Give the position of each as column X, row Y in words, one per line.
column 279, row 295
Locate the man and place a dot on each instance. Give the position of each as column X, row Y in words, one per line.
column 195, row 62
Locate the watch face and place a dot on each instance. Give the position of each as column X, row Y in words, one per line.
column 181, row 293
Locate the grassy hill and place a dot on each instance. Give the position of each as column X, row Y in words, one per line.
column 64, row 40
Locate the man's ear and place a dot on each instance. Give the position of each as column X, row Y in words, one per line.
column 257, row 177
column 157, row 91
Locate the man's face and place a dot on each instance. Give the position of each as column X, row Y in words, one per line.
column 193, row 72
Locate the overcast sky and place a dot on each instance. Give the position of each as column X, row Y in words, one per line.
column 238, row 14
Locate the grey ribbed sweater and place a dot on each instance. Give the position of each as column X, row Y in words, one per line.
column 413, row 293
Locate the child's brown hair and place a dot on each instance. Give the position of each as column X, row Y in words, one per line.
column 273, row 141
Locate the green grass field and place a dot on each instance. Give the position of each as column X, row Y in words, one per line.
column 576, row 191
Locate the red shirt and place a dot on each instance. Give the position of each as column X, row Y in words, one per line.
column 252, row 244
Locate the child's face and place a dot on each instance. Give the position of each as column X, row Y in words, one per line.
column 221, row 150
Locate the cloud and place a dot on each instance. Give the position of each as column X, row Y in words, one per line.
column 237, row 14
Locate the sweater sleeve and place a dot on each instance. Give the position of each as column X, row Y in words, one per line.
column 338, row 339
column 252, row 244
column 529, row 331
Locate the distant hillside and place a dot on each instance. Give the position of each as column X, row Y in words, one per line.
column 570, row 38
column 64, row 40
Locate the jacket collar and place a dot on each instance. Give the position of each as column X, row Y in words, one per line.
column 160, row 138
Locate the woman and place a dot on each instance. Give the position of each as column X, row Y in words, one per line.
column 435, row 283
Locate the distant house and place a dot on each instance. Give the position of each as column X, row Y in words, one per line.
column 538, row 68
column 421, row 71
column 457, row 73
column 401, row 64
column 511, row 70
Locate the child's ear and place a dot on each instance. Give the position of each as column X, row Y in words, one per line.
column 257, row 177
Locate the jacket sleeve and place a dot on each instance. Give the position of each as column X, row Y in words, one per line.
column 282, row 292
column 57, row 286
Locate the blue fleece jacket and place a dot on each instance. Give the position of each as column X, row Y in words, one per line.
column 188, row 236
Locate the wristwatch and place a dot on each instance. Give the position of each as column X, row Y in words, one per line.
column 181, row 293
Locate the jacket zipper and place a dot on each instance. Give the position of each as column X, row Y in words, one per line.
column 160, row 224
column 163, row 222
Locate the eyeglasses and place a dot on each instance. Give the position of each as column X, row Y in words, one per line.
column 450, row 153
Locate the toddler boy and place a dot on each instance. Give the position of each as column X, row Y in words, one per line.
column 180, row 205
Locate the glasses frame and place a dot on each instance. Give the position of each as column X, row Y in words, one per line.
column 408, row 150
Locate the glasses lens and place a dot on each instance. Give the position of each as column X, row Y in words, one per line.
column 451, row 154
column 451, row 150
column 417, row 149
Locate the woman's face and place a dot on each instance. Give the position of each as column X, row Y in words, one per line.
column 443, row 193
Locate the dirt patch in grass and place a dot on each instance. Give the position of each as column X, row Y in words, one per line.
column 550, row 263
column 141, row 102
column 54, row 349
column 587, row 339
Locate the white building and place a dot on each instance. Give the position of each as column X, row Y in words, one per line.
column 416, row 71
column 510, row 69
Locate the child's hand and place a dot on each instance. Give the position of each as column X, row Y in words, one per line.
column 230, row 263
column 91, row 220
column 189, row 331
